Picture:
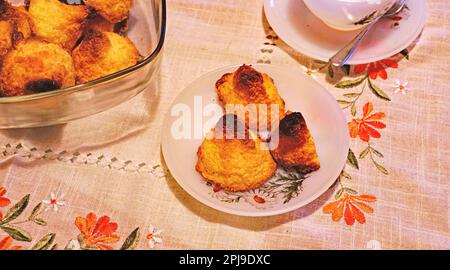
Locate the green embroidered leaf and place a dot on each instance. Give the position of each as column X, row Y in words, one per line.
column 364, row 153
column 35, row 211
column 352, row 95
column 353, row 109
column 343, row 102
column 132, row 240
column 351, row 191
column 80, row 239
column 89, row 248
column 350, row 83
column 16, row 233
column 376, row 152
column 405, row 53
column 45, row 243
column 339, row 194
column 351, row 159
column 346, row 175
column 381, row 168
column 40, row 222
column 16, row 210
column 378, row 92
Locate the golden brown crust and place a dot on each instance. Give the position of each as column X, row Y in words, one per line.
column 296, row 148
column 99, row 24
column 15, row 26
column 36, row 66
column 96, row 22
column 246, row 86
column 58, row 23
column 249, row 84
column 103, row 53
column 114, row 11
column 234, row 164
column 5, row 38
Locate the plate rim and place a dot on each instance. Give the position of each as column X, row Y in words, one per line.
column 294, row 45
column 256, row 213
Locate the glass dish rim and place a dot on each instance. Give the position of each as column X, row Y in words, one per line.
column 87, row 86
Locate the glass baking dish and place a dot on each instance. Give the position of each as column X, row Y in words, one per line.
column 147, row 26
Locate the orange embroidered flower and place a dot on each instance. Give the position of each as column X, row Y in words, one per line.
column 3, row 200
column 97, row 233
column 365, row 127
column 376, row 69
column 5, row 244
column 349, row 207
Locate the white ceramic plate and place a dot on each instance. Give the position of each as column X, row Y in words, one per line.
column 304, row 32
column 324, row 118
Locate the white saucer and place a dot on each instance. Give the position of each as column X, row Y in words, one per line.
column 304, row 32
column 324, row 118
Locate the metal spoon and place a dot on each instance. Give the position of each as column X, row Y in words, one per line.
column 341, row 58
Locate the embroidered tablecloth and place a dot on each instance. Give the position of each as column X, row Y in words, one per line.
column 101, row 182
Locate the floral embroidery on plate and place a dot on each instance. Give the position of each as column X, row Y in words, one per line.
column 281, row 189
column 260, row 199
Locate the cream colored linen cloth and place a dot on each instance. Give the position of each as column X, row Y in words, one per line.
column 111, row 164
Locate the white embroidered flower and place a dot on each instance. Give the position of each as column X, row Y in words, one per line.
column 54, row 202
column 73, row 245
column 154, row 237
column 373, row 245
column 401, row 87
column 309, row 71
column 260, row 199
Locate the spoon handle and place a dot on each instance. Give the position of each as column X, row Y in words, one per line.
column 341, row 58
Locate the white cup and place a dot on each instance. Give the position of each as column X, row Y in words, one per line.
column 348, row 15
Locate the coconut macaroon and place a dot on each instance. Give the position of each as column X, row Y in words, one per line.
column 57, row 22
column 114, row 11
column 295, row 147
column 247, row 86
column 103, row 53
column 36, row 66
column 5, row 38
column 95, row 22
column 99, row 24
column 15, row 26
column 234, row 164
